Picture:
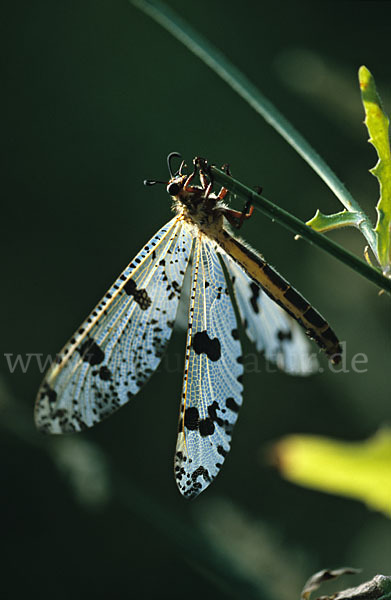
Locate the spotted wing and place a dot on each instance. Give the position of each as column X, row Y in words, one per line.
column 122, row 341
column 212, row 389
column 269, row 326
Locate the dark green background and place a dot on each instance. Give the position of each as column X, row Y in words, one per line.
column 96, row 95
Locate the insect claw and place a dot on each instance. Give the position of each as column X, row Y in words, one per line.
column 201, row 163
column 226, row 169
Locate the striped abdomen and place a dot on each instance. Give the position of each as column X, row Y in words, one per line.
column 283, row 294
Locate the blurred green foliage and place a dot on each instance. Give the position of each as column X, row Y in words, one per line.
column 95, row 95
column 360, row 470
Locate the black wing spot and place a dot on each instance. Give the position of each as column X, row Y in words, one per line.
column 232, row 405
column 254, row 298
column 49, row 393
column 91, row 352
column 206, row 427
column 202, row 343
column 140, row 296
column 235, row 334
column 176, row 286
column 192, row 418
column 105, row 373
column 200, row 472
column 212, row 412
column 221, row 451
column 284, row 335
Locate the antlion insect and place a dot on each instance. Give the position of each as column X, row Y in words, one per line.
column 121, row 343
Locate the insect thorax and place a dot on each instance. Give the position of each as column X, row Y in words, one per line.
column 205, row 213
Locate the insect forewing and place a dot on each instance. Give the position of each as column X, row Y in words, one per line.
column 122, row 341
column 270, row 327
column 212, row 389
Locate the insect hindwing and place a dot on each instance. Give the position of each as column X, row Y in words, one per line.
column 273, row 331
column 212, row 388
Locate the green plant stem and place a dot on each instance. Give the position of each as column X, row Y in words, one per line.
column 299, row 227
column 214, row 59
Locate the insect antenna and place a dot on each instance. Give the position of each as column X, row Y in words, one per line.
column 153, row 182
column 169, row 159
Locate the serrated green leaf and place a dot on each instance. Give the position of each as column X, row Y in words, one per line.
column 321, row 222
column 360, row 470
column 377, row 124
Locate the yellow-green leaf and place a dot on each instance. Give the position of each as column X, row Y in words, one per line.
column 360, row 470
column 378, row 124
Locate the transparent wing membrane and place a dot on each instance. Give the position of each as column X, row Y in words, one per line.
column 121, row 343
column 273, row 331
column 212, row 388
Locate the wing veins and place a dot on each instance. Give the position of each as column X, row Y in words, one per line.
column 68, row 349
column 196, row 258
column 81, row 377
column 126, row 317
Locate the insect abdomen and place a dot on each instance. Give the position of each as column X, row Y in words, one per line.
column 283, row 294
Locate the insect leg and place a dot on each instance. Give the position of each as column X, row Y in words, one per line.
column 235, row 217
column 205, row 176
column 191, row 176
column 223, row 192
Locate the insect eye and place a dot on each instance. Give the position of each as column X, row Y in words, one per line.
column 173, row 189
